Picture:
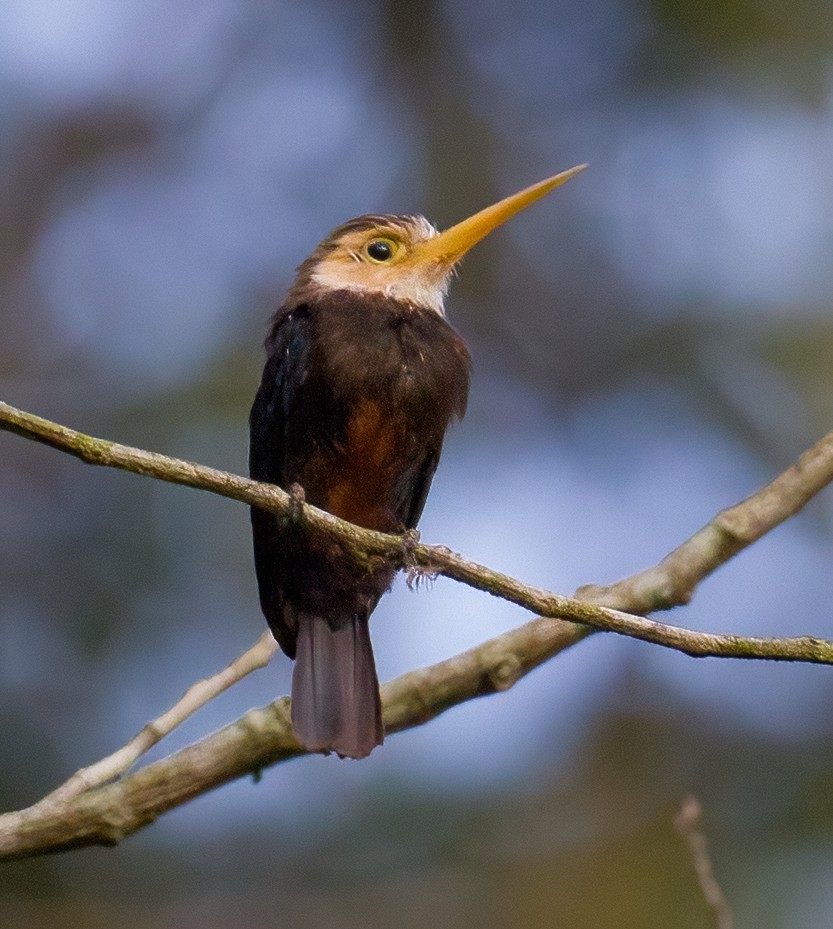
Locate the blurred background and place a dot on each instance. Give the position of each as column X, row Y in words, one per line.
column 651, row 344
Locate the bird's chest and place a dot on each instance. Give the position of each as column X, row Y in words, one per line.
column 383, row 380
column 393, row 358
column 379, row 388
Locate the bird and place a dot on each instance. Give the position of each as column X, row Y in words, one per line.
column 363, row 376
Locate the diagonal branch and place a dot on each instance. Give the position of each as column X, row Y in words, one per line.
column 670, row 583
column 673, row 581
column 262, row 737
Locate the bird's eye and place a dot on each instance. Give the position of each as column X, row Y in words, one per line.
column 380, row 250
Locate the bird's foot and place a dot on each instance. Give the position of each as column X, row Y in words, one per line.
column 410, row 540
column 297, row 499
column 414, row 573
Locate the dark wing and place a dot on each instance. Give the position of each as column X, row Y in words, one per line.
column 446, row 390
column 289, row 349
column 413, row 489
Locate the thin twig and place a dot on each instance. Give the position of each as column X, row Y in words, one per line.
column 197, row 695
column 688, row 821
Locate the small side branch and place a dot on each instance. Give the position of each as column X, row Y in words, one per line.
column 688, row 822
column 197, row 695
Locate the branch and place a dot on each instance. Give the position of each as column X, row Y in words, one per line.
column 263, row 737
column 108, row 813
column 671, row 583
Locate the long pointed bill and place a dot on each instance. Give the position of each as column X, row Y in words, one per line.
column 449, row 247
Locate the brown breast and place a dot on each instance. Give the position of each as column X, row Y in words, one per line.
column 361, row 491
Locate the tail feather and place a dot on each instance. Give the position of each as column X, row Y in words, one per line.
column 335, row 691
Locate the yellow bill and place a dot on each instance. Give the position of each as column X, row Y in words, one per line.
column 450, row 246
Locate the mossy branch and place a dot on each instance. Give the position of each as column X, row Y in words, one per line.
column 105, row 813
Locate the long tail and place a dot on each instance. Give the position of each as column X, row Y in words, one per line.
column 335, row 691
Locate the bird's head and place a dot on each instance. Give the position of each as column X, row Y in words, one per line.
column 405, row 257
